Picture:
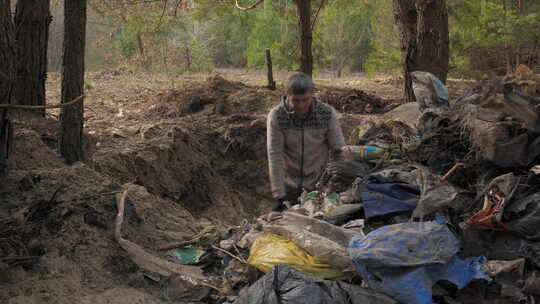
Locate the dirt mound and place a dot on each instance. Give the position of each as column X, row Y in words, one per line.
column 56, row 230
column 192, row 157
column 183, row 167
column 215, row 95
column 354, row 101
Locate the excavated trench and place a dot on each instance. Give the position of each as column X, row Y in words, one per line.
column 193, row 157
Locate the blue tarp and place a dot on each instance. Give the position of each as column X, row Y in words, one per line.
column 386, row 198
column 406, row 260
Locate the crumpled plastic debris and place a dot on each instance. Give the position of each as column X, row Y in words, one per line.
column 271, row 250
column 495, row 267
column 435, row 194
column 499, row 192
column 387, row 198
column 523, row 217
column 319, row 238
column 187, row 255
column 285, row 285
column 429, row 90
column 319, row 204
column 406, row 260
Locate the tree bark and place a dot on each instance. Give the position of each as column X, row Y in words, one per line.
column 432, row 37
column 32, row 19
column 72, row 117
column 7, row 77
column 423, row 26
column 140, row 42
column 304, row 26
column 406, row 17
column 270, row 73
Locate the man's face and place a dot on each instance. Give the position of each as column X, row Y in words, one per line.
column 300, row 103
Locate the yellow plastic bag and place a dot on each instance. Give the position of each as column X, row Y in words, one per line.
column 270, row 250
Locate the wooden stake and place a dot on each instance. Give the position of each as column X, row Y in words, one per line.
column 271, row 82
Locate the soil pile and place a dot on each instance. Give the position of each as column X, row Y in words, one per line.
column 192, row 157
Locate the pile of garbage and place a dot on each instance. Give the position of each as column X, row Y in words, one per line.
column 444, row 210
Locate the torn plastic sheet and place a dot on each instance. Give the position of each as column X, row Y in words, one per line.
column 436, row 194
column 405, row 245
column 406, row 260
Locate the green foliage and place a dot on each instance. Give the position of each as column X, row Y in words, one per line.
column 200, row 59
column 343, row 35
column 486, row 33
column 386, row 56
column 226, row 29
column 88, row 84
column 348, row 36
column 273, row 31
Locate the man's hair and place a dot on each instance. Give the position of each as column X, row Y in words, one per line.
column 299, row 84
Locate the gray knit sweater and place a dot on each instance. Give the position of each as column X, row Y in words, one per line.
column 299, row 149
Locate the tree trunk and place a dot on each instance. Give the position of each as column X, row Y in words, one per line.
column 187, row 55
column 141, row 50
column 7, row 76
column 71, row 117
column 432, row 37
column 406, row 17
column 32, row 19
column 423, row 26
column 304, row 26
column 270, row 73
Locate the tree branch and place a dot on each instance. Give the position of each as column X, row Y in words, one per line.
column 317, row 14
column 254, row 5
column 162, row 14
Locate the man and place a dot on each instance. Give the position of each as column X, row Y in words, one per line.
column 302, row 135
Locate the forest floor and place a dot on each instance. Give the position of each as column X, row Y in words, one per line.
column 192, row 151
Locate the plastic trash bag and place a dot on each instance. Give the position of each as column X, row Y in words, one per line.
column 271, row 250
column 429, row 91
column 388, row 191
column 286, row 285
column 387, row 198
column 405, row 245
column 498, row 245
column 436, row 194
column 524, row 217
column 318, row 238
column 406, row 260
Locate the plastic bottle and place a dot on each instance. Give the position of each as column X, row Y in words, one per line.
column 363, row 152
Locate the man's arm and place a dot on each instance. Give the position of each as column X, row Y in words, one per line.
column 275, row 143
column 335, row 137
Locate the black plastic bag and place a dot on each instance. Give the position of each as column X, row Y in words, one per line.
column 286, row 285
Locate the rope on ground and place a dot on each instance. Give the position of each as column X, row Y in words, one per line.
column 28, row 107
